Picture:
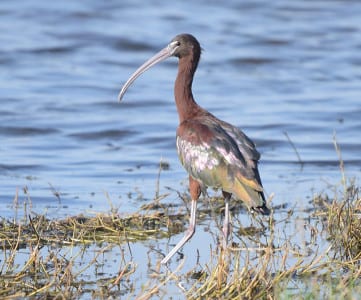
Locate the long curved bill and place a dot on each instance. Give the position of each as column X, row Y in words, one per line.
column 160, row 56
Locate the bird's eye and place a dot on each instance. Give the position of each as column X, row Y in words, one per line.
column 174, row 45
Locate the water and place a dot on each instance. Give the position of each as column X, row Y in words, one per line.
column 268, row 67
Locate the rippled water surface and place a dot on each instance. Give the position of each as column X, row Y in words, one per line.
column 269, row 68
column 283, row 71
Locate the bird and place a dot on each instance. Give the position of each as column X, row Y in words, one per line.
column 214, row 153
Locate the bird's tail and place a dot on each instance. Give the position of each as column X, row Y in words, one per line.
column 251, row 193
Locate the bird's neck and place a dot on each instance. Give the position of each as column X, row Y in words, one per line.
column 186, row 105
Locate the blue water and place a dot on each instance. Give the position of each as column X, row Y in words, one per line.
column 273, row 68
column 268, row 68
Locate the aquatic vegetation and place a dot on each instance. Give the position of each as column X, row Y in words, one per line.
column 314, row 253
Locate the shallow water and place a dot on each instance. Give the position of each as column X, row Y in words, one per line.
column 268, row 67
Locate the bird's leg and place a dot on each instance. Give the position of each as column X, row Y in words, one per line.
column 226, row 225
column 195, row 191
column 190, row 231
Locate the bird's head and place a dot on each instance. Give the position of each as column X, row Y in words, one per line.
column 180, row 46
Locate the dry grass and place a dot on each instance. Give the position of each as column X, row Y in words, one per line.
column 53, row 249
column 42, row 258
column 278, row 267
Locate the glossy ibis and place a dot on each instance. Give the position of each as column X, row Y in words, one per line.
column 214, row 153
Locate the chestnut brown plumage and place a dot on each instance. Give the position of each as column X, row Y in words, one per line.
column 214, row 153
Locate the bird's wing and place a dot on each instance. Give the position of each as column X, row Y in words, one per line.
column 208, row 143
column 248, row 150
column 244, row 143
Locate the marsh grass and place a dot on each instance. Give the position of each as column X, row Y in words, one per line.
column 341, row 217
column 45, row 257
column 280, row 268
column 314, row 253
